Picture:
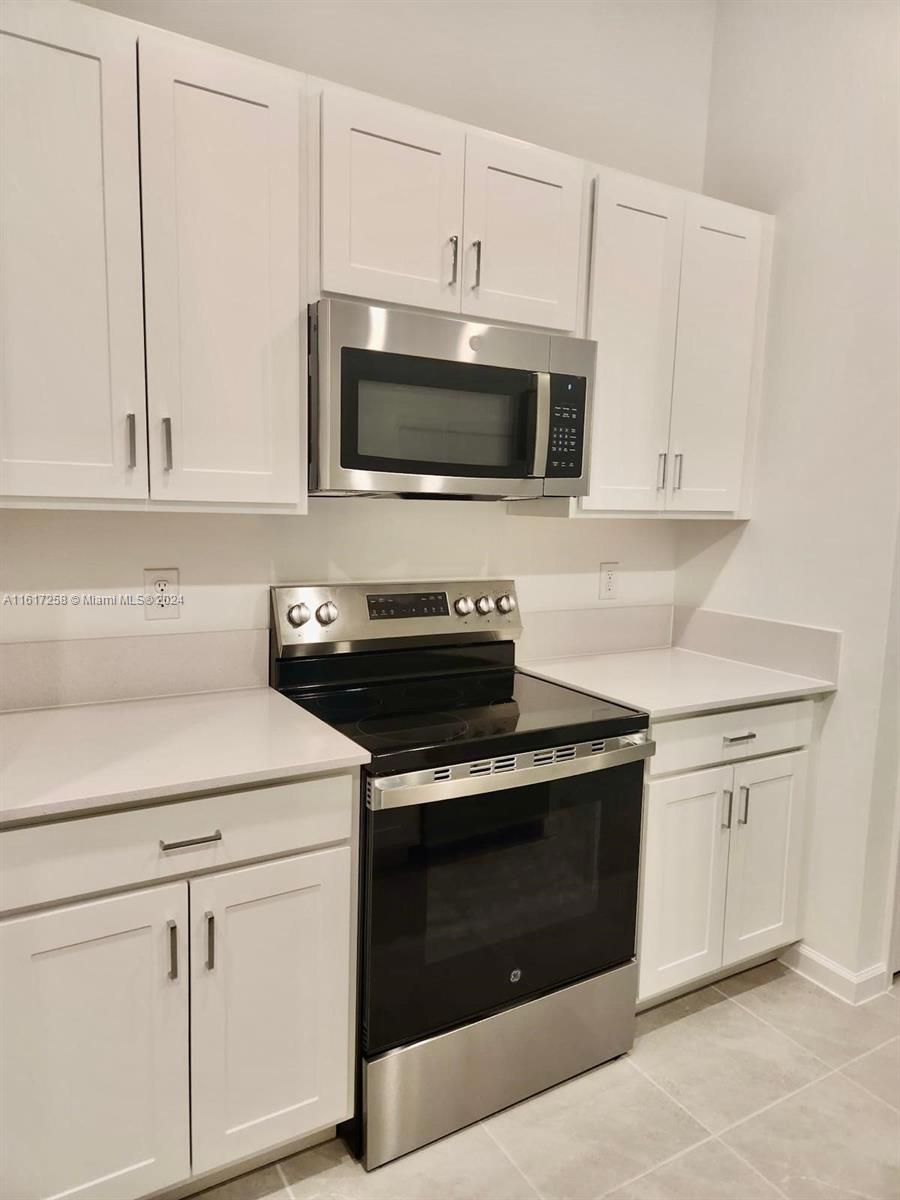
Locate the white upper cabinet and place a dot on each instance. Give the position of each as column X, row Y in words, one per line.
column 522, row 232
column 392, row 195
column 94, row 1041
column 220, row 158
column 72, row 421
column 634, row 308
column 713, row 354
column 270, row 1004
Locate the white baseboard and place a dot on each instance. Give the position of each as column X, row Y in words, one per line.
column 852, row 987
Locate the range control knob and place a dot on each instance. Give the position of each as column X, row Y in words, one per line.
column 485, row 605
column 327, row 612
column 464, row 605
column 506, row 603
column 298, row 614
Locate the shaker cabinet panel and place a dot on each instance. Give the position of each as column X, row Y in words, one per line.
column 764, row 864
column 713, row 355
column 270, row 1004
column 685, row 874
column 220, row 156
column 522, row 232
column 72, row 421
column 94, row 1037
column 392, row 194
column 636, row 263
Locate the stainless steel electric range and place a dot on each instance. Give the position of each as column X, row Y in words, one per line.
column 501, row 822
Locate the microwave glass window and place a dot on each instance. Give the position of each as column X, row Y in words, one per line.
column 436, row 425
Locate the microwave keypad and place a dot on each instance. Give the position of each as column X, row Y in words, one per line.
column 565, row 450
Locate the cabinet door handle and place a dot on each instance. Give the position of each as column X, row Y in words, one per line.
column 661, row 470
column 454, row 269
column 738, row 738
column 745, row 792
column 210, row 939
column 131, row 422
column 679, row 467
column 200, row 841
column 167, row 441
column 477, row 247
column 726, row 824
column 173, row 949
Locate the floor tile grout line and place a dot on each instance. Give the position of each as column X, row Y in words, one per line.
column 506, row 1154
column 674, row 1099
column 284, row 1180
column 780, row 1032
column 657, row 1166
column 874, row 1095
column 753, row 1168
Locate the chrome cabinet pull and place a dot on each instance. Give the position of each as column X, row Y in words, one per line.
column 210, row 939
column 730, row 794
column 477, row 246
column 173, row 949
column 738, row 739
column 661, row 471
column 131, row 421
column 200, row 841
column 679, row 467
column 745, row 792
column 167, row 441
column 454, row 270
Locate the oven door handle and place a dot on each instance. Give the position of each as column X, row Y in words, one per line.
column 541, row 424
column 420, row 787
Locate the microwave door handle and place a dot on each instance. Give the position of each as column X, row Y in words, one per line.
column 541, row 424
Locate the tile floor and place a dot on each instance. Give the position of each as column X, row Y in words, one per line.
column 762, row 1086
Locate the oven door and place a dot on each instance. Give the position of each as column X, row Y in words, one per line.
column 479, row 901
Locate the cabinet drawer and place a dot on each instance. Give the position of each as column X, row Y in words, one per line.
column 43, row 864
column 729, row 737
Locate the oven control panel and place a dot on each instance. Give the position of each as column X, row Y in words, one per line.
column 565, row 447
column 322, row 618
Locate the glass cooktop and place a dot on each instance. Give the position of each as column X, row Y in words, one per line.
column 412, row 724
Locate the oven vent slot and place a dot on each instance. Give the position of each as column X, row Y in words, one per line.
column 543, row 758
column 440, row 774
column 481, row 768
column 564, row 753
column 508, row 763
column 598, row 747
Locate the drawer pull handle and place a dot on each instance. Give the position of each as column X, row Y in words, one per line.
column 173, row 949
column 746, row 817
column 730, row 794
column 201, row 841
column 210, row 939
column 739, row 738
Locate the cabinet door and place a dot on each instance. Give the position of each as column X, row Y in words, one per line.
column 636, row 262
column 713, row 355
column 764, row 866
column 685, row 871
column 392, row 193
column 73, row 419
column 94, row 1035
column 270, row 1004
column 522, row 232
column 220, row 154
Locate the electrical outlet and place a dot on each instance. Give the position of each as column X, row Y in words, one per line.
column 162, row 597
column 609, row 580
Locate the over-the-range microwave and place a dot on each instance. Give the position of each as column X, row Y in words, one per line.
column 407, row 404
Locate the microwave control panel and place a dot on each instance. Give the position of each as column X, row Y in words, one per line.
column 565, row 445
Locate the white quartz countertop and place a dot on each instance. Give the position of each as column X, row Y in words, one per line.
column 68, row 761
column 675, row 683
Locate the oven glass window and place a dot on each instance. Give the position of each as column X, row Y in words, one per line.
column 480, row 902
column 422, row 416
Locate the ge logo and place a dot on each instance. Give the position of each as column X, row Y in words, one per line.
column 515, row 976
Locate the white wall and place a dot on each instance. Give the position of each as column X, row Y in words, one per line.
column 803, row 124
column 622, row 82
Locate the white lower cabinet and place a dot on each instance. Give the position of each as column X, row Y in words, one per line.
column 94, row 1037
column 721, row 868
column 270, row 1004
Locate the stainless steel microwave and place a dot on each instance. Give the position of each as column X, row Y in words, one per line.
column 407, row 404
